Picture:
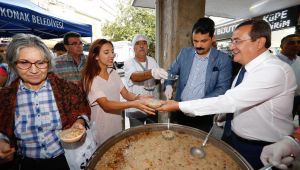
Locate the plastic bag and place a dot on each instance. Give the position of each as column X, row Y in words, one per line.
column 78, row 154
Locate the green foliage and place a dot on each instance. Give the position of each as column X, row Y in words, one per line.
column 130, row 21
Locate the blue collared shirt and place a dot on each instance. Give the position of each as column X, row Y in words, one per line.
column 37, row 122
column 285, row 59
column 195, row 87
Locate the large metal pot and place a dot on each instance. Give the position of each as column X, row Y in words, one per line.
column 242, row 163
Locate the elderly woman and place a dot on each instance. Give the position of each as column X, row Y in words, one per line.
column 36, row 107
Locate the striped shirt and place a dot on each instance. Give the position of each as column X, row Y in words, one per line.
column 195, row 86
column 66, row 68
column 37, row 122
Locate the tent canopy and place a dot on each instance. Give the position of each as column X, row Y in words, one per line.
column 25, row 17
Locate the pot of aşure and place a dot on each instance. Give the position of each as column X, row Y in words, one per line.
column 144, row 147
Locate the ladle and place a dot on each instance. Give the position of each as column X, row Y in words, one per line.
column 199, row 151
column 168, row 134
column 267, row 167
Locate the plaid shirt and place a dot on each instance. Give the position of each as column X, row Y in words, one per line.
column 66, row 68
column 37, row 122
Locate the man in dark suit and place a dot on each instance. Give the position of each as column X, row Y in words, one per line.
column 203, row 72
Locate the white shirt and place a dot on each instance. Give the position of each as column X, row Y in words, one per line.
column 262, row 103
column 131, row 66
column 285, row 59
column 296, row 67
column 105, row 124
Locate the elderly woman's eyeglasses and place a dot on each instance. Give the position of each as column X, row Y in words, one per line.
column 25, row 65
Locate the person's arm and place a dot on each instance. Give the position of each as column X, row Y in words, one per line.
column 156, row 73
column 110, row 105
column 224, row 70
column 254, row 89
column 168, row 106
column 175, row 67
column 127, row 95
column 139, row 76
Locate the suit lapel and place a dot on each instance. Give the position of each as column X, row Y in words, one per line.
column 188, row 64
column 211, row 64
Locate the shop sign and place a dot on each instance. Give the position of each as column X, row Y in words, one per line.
column 281, row 19
column 225, row 32
column 278, row 20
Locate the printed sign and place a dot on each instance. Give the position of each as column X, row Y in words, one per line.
column 282, row 19
column 30, row 18
column 278, row 20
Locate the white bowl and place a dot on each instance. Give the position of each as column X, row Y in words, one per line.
column 71, row 135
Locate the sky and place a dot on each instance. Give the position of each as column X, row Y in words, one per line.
column 95, row 8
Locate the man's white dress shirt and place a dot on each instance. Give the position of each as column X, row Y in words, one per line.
column 262, row 104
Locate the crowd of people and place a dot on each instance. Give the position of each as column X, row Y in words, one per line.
column 43, row 94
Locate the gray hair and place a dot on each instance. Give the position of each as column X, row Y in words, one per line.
column 20, row 41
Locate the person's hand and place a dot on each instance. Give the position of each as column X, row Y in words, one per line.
column 79, row 124
column 168, row 106
column 6, row 152
column 142, row 105
column 279, row 153
column 220, row 119
column 169, row 92
column 159, row 73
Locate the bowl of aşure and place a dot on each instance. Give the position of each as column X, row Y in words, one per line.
column 71, row 135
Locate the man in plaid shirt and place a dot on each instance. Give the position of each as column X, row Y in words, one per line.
column 70, row 65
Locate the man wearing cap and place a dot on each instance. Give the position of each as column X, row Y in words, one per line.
column 141, row 75
column 203, row 72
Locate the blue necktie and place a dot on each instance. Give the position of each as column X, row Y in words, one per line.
column 229, row 116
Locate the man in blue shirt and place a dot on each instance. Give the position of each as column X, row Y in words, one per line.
column 203, row 72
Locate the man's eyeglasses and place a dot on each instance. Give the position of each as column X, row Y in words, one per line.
column 76, row 44
column 25, row 65
column 237, row 41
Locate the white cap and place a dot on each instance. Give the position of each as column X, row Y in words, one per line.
column 139, row 37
